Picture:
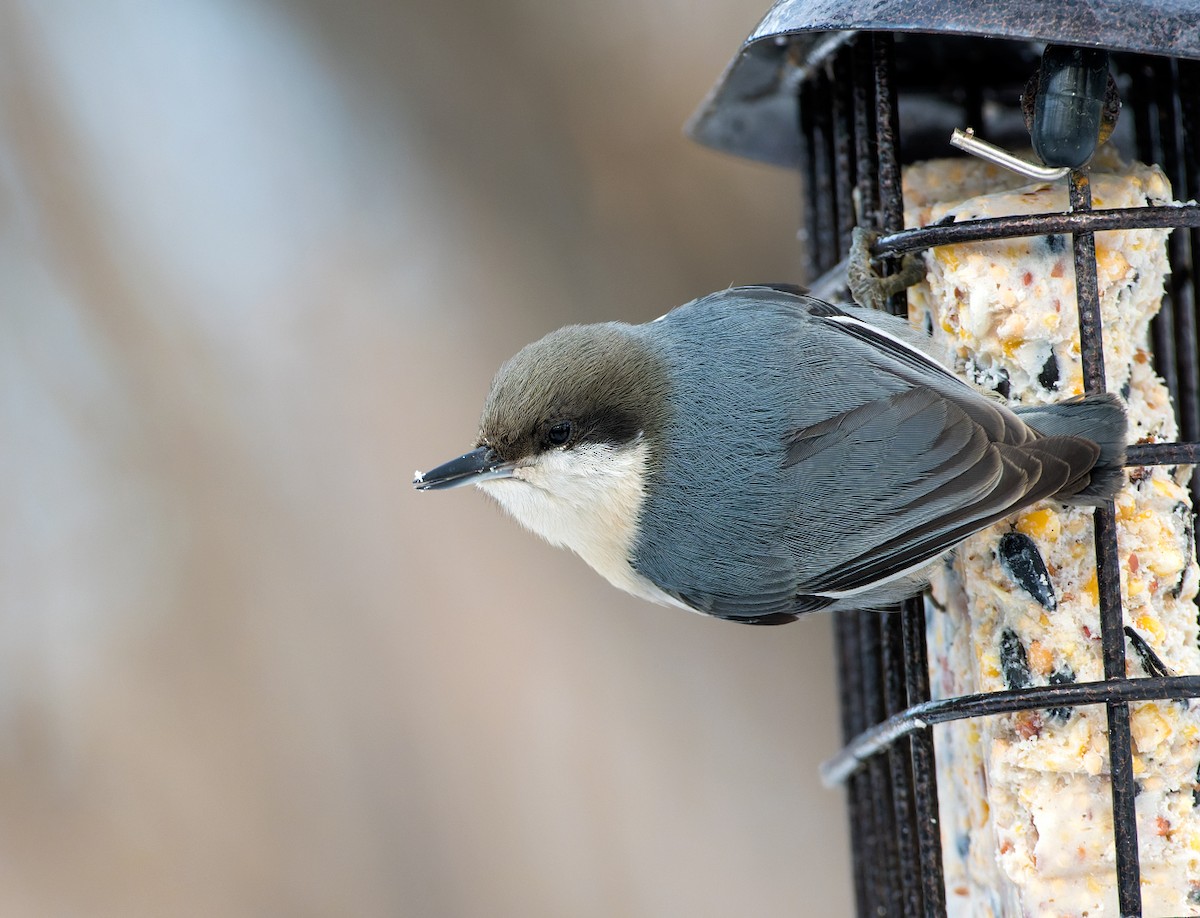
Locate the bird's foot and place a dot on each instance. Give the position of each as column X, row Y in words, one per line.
column 867, row 286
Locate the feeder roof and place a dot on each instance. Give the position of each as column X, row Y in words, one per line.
column 751, row 112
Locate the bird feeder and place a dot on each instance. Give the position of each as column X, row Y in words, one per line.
column 1087, row 115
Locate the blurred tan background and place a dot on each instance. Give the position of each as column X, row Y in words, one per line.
column 260, row 261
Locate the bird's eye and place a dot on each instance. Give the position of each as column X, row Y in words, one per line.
column 559, row 434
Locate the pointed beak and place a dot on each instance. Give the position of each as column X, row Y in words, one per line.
column 475, row 466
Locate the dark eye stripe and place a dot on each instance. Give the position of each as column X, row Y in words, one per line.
column 610, row 426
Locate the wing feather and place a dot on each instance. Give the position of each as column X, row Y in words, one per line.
column 947, row 480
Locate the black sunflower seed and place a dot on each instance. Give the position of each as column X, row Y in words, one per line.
column 1048, row 377
column 1014, row 661
column 1064, row 676
column 1151, row 662
column 1021, row 560
column 1056, row 242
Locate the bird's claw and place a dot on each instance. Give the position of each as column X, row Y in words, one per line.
column 867, row 286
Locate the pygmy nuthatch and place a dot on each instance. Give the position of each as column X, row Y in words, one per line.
column 758, row 453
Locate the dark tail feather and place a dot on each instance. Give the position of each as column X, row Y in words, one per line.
column 1099, row 418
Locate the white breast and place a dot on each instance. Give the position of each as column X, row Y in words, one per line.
column 587, row 499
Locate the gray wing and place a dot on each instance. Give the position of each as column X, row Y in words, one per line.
column 910, row 475
column 917, row 471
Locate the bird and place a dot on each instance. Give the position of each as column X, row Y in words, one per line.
column 758, row 454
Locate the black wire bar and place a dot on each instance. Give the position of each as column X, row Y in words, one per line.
column 1108, row 570
column 875, row 740
column 1093, row 221
column 1162, row 454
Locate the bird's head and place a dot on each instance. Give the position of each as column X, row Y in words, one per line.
column 567, row 434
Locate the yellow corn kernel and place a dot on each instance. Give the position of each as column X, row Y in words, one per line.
column 1166, row 562
column 1074, row 385
column 948, row 256
column 1042, row 523
column 1148, row 727
column 1167, row 488
column 1041, row 660
column 1151, row 625
column 1111, row 262
column 1092, row 588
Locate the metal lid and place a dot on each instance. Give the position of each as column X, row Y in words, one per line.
column 751, row 111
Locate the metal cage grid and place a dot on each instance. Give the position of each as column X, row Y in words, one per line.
column 850, row 159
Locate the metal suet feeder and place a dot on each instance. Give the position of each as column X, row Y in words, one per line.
column 848, row 97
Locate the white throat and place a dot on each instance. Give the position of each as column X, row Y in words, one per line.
column 587, row 499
